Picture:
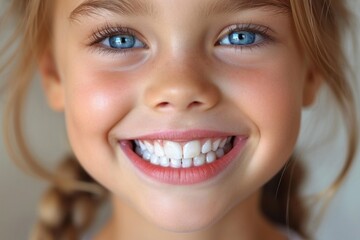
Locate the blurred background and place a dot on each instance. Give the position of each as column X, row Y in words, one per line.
column 19, row 193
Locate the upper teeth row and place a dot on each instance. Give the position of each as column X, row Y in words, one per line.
column 175, row 150
column 176, row 155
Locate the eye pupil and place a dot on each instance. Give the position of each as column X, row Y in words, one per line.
column 242, row 38
column 122, row 41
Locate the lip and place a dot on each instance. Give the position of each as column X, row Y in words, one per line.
column 183, row 135
column 184, row 176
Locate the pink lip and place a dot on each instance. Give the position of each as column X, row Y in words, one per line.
column 183, row 176
column 184, row 135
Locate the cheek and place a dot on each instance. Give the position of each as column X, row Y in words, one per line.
column 274, row 102
column 271, row 98
column 95, row 102
column 98, row 99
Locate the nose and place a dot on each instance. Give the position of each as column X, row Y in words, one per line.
column 179, row 87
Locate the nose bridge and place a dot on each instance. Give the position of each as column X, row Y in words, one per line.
column 180, row 84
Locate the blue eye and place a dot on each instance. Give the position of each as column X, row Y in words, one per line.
column 241, row 38
column 123, row 41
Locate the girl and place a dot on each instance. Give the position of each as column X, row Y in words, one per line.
column 183, row 110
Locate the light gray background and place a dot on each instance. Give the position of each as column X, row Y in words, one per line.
column 19, row 193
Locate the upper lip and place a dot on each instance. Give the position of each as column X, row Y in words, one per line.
column 185, row 135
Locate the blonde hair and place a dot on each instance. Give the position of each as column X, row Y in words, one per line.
column 68, row 206
column 318, row 23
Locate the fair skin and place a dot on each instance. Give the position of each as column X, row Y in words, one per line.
column 180, row 84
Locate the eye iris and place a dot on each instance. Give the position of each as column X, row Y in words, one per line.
column 122, row 41
column 242, row 38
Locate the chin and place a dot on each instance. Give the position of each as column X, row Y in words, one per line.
column 186, row 216
column 185, row 223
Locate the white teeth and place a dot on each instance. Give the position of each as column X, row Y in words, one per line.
column 172, row 150
column 158, row 149
column 146, row 155
column 186, row 163
column 149, row 147
column 142, row 146
column 182, row 155
column 191, row 149
column 215, row 145
column 199, row 160
column 210, row 157
column 175, row 163
column 206, row 147
column 164, row 162
column 155, row 159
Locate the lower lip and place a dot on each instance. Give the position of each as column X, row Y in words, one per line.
column 184, row 176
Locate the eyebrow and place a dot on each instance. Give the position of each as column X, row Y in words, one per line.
column 124, row 7
column 142, row 7
column 233, row 6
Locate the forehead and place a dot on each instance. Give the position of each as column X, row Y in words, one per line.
column 81, row 8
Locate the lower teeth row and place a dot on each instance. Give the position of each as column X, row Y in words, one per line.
column 184, row 163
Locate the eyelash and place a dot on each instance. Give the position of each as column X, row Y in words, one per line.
column 100, row 34
column 261, row 30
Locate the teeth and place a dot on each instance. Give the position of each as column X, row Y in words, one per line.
column 191, row 149
column 186, row 163
column 223, row 142
column 146, row 155
column 173, row 150
column 142, row 146
column 155, row 159
column 199, row 160
column 175, row 163
column 210, row 157
column 216, row 144
column 206, row 147
column 164, row 162
column 182, row 155
column 158, row 149
column 149, row 147
column 220, row 152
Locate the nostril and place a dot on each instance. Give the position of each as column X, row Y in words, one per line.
column 163, row 105
column 167, row 105
column 194, row 104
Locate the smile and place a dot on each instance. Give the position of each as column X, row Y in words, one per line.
column 182, row 159
column 174, row 154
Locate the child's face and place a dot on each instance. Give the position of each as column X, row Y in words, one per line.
column 178, row 70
